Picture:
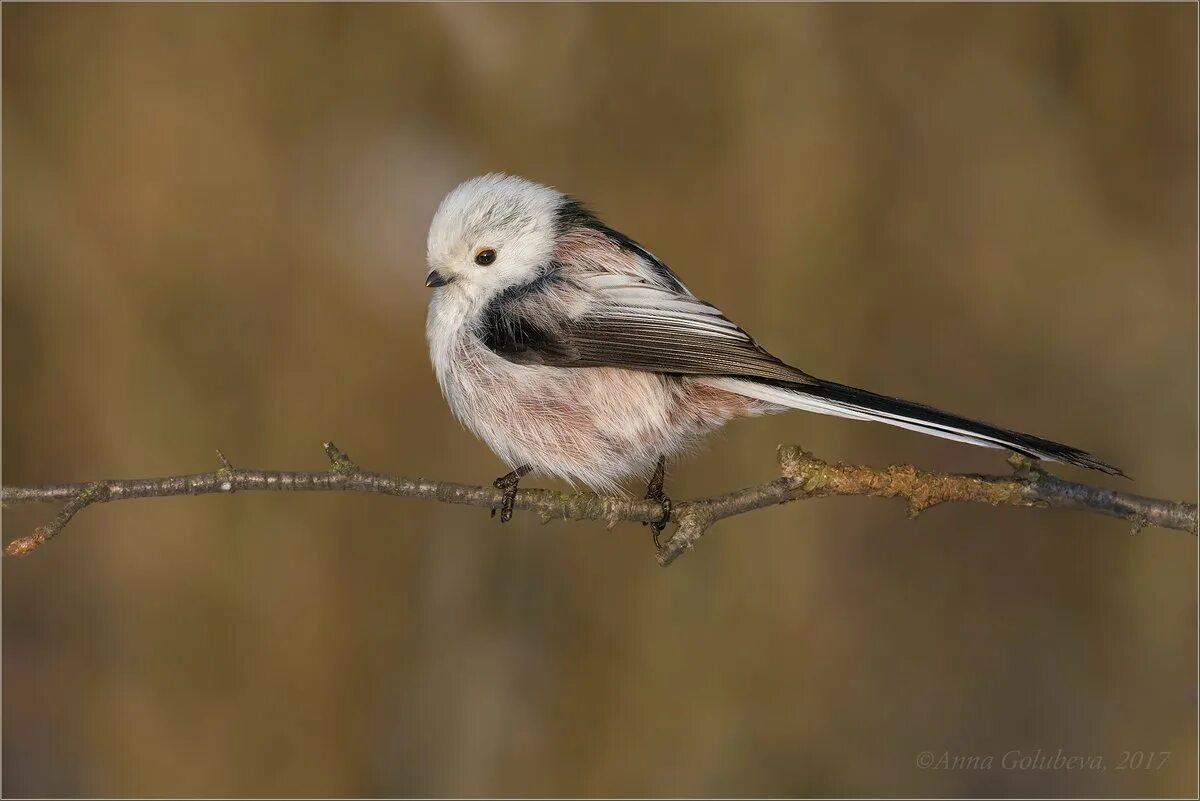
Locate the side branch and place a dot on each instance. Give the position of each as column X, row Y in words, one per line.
column 804, row 476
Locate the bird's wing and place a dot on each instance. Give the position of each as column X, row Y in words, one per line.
column 642, row 325
column 635, row 320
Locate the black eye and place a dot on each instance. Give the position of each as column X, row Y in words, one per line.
column 485, row 257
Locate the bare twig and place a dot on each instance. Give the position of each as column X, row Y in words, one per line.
column 804, row 476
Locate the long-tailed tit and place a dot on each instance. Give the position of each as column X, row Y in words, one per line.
column 571, row 350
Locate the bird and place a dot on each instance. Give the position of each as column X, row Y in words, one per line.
column 573, row 351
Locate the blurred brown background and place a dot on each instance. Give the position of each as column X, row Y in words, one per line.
column 214, row 237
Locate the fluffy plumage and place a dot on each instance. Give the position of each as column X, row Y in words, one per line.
column 578, row 352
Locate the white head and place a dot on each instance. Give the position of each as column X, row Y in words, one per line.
column 492, row 232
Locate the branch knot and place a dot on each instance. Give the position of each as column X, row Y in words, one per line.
column 340, row 462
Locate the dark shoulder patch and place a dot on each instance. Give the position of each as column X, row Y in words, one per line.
column 508, row 330
column 572, row 213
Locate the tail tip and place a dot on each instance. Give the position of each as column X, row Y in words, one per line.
column 1084, row 459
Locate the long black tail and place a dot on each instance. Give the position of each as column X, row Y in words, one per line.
column 828, row 397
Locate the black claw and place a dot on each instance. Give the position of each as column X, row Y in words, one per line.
column 657, row 528
column 654, row 492
column 508, row 483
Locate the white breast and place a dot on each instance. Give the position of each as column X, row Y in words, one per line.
column 594, row 425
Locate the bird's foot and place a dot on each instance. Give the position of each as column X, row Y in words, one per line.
column 654, row 492
column 508, row 483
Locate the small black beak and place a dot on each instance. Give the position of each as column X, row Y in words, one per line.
column 435, row 279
